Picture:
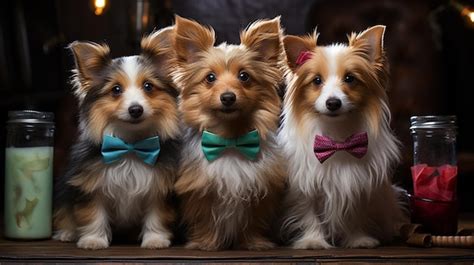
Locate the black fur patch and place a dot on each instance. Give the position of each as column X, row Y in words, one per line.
column 167, row 82
column 82, row 153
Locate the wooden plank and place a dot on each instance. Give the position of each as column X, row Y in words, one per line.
column 53, row 250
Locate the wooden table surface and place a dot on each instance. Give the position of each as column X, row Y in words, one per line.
column 53, row 251
column 56, row 252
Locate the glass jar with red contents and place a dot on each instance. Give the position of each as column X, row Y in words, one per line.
column 434, row 172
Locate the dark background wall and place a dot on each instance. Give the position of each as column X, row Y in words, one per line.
column 429, row 45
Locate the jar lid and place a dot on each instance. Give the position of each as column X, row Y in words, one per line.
column 30, row 116
column 433, row 122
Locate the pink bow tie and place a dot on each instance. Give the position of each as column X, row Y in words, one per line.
column 325, row 147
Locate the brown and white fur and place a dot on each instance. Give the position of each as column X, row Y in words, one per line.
column 132, row 98
column 231, row 201
column 344, row 201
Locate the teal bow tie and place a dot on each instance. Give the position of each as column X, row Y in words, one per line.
column 213, row 145
column 114, row 148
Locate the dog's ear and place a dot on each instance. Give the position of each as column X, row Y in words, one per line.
column 191, row 38
column 264, row 36
column 90, row 58
column 158, row 47
column 297, row 46
column 370, row 40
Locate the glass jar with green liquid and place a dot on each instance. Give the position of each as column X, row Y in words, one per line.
column 29, row 175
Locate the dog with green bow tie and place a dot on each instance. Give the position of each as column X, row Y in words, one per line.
column 232, row 176
column 125, row 160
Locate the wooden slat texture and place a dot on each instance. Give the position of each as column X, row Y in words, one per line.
column 54, row 251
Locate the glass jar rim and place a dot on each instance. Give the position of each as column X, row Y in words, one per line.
column 433, row 122
column 30, row 116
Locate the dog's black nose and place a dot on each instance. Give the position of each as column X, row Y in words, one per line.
column 333, row 104
column 135, row 111
column 228, row 98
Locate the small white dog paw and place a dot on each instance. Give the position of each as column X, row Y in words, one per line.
column 92, row 242
column 155, row 241
column 64, row 236
column 362, row 241
column 311, row 243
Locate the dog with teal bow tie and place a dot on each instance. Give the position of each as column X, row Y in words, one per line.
column 124, row 163
column 232, row 176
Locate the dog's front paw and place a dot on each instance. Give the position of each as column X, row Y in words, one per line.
column 311, row 243
column 155, row 241
column 92, row 242
column 206, row 246
column 362, row 241
column 64, row 235
column 258, row 243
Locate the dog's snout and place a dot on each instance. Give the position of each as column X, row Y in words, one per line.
column 135, row 111
column 333, row 104
column 228, row 98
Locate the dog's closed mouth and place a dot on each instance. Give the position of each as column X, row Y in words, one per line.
column 134, row 121
column 332, row 114
column 228, row 110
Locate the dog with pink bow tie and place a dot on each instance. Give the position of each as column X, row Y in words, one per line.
column 336, row 137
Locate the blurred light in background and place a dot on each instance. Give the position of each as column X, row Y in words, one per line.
column 465, row 11
column 471, row 16
column 99, row 6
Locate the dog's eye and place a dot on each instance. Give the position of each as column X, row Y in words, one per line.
column 116, row 90
column 210, row 78
column 317, row 80
column 148, row 87
column 244, row 76
column 349, row 78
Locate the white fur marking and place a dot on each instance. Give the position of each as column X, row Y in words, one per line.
column 155, row 234
column 236, row 177
column 133, row 94
column 64, row 235
column 332, row 85
column 130, row 66
column 97, row 234
column 127, row 182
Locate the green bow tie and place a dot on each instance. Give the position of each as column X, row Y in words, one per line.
column 213, row 145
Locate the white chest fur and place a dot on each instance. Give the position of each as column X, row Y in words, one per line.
column 126, row 183
column 341, row 172
column 234, row 176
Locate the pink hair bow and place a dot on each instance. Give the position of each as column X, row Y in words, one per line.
column 303, row 57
